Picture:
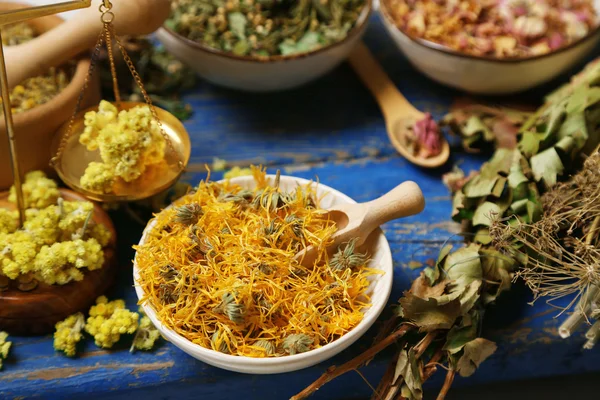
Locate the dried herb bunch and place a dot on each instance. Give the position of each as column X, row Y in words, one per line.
column 219, row 270
column 263, row 28
column 559, row 253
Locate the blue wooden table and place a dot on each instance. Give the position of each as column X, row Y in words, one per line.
column 333, row 130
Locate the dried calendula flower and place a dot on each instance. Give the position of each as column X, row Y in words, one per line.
column 298, row 343
column 188, row 214
column 496, row 28
column 267, row 345
column 347, row 258
column 229, row 307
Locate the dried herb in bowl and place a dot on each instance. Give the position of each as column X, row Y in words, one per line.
column 263, row 28
column 37, row 90
column 496, row 28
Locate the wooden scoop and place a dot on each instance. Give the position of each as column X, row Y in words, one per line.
column 78, row 34
column 359, row 220
column 399, row 114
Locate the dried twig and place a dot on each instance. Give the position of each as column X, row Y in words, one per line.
column 447, row 384
column 333, row 372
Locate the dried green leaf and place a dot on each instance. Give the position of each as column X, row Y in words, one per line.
column 497, row 268
column 474, row 353
column 556, row 116
column 499, row 187
column 464, row 265
column 428, row 315
column 486, row 213
column 469, row 297
column 310, row 41
column 516, row 177
column 529, row 144
column 237, row 24
column 482, row 236
column 421, row 288
column 459, row 336
column 407, row 374
column 547, row 166
column 520, row 206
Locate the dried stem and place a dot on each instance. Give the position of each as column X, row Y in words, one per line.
column 571, row 324
column 333, row 372
column 590, row 235
column 594, row 331
column 447, row 384
column 424, row 344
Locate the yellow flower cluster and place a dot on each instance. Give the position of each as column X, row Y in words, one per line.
column 38, row 191
column 146, row 335
column 68, row 334
column 129, row 141
column 237, row 171
column 9, row 220
column 109, row 320
column 56, row 242
column 4, row 347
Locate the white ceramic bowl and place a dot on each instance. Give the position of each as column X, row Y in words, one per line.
column 380, row 288
column 262, row 75
column 487, row 75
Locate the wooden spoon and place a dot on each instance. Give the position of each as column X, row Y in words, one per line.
column 399, row 114
column 359, row 220
column 78, row 34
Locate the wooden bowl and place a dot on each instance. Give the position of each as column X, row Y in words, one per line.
column 35, row 128
column 37, row 311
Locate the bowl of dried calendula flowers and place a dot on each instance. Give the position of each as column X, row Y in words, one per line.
column 216, row 273
column 264, row 45
column 40, row 104
column 495, row 46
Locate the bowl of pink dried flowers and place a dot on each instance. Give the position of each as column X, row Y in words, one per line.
column 493, row 46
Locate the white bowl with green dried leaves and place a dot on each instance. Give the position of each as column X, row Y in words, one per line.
column 239, row 49
column 380, row 258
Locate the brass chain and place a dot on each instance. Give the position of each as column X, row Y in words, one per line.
column 91, row 69
column 111, row 58
column 147, row 98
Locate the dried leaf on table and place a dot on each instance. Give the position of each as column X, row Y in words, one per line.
column 464, row 265
column 421, row 288
column 474, row 353
column 407, row 374
column 428, row 315
column 547, row 166
column 462, row 334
